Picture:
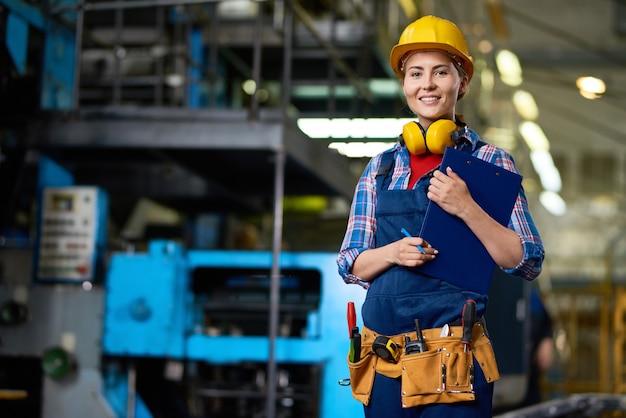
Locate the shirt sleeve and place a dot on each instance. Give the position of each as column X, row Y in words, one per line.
column 521, row 220
column 361, row 226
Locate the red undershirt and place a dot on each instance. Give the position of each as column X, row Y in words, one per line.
column 422, row 164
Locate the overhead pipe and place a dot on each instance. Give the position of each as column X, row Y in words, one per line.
column 257, row 55
column 78, row 40
column 287, row 57
column 137, row 4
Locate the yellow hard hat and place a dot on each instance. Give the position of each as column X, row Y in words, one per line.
column 432, row 33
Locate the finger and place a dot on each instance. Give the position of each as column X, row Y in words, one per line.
column 452, row 174
column 436, row 182
column 439, row 175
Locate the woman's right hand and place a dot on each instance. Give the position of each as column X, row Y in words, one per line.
column 409, row 252
column 404, row 252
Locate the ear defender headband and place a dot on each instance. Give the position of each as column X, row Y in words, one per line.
column 439, row 135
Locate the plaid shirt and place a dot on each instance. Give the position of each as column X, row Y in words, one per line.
column 362, row 222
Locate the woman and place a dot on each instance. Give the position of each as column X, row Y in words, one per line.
column 434, row 66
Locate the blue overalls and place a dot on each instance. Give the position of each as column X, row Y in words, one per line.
column 400, row 295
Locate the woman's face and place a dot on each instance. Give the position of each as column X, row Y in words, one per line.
column 431, row 85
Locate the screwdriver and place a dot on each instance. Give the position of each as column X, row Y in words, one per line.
column 351, row 314
column 351, row 318
column 467, row 321
column 356, row 345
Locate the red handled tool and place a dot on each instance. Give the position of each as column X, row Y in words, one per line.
column 351, row 318
column 468, row 320
column 353, row 332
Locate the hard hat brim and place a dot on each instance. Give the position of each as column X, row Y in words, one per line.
column 399, row 51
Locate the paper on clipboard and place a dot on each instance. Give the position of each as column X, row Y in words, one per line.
column 462, row 259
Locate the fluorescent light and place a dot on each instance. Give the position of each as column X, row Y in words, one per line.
column 375, row 128
column 501, row 137
column 249, row 87
column 384, row 87
column 487, row 79
column 546, row 170
column 358, row 128
column 509, row 68
column 315, row 127
column 553, row 203
column 485, row 46
column 534, row 136
column 360, row 149
column 384, row 127
column 380, row 88
column 340, row 128
column 237, row 8
column 591, row 87
column 323, row 92
column 525, row 105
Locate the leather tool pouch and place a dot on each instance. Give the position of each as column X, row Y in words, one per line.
column 442, row 374
column 362, row 375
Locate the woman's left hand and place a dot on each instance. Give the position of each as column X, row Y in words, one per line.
column 450, row 192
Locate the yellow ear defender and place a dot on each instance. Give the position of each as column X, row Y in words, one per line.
column 435, row 139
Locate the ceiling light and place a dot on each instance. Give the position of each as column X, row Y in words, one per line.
column 318, row 92
column 384, row 87
column 249, row 87
column 509, row 67
column 384, row 127
column 360, row 149
column 501, row 137
column 340, row 128
column 315, row 127
column 375, row 128
column 525, row 105
column 487, row 79
column 485, row 46
column 591, row 87
column 546, row 170
column 262, row 95
column 553, row 202
column 358, row 128
column 380, row 87
column 534, row 136
column 174, row 80
column 237, row 9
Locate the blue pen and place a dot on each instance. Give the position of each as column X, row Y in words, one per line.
column 419, row 247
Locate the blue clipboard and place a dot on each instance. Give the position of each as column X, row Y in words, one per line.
column 462, row 259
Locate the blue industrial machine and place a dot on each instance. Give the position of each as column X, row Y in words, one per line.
column 24, row 22
column 208, row 311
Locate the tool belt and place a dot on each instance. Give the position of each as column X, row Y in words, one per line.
column 442, row 374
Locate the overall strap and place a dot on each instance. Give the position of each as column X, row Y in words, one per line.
column 387, row 163
column 386, row 166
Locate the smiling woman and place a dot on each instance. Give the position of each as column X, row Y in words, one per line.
column 432, row 85
column 381, row 247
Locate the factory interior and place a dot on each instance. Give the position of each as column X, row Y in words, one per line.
column 176, row 178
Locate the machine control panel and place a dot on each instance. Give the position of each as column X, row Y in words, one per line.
column 70, row 233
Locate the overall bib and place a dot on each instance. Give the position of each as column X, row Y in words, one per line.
column 400, row 295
